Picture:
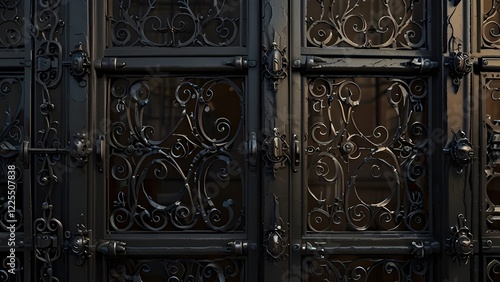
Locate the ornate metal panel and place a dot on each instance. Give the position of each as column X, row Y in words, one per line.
column 366, row 268
column 367, row 173
column 175, row 160
column 490, row 24
column 398, row 24
column 181, row 269
column 12, row 26
column 172, row 23
column 491, row 86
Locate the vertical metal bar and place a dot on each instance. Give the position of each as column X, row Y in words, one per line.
column 28, row 178
column 251, row 11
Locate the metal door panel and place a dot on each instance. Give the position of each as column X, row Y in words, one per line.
column 357, row 131
column 485, row 85
column 241, row 140
column 176, row 160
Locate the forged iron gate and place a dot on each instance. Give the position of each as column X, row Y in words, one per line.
column 244, row 140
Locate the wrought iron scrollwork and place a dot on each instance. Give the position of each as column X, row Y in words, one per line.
column 460, row 243
column 491, row 25
column 193, row 161
column 191, row 23
column 367, row 269
column 460, row 65
column 347, row 153
column 11, row 123
column 46, row 28
column 218, row 269
column 493, row 270
column 275, row 64
column 351, row 23
column 493, row 147
column 275, row 239
column 11, row 24
column 460, row 150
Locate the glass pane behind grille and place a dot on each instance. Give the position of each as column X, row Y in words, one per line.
column 173, row 23
column 367, row 154
column 175, row 162
column 366, row 24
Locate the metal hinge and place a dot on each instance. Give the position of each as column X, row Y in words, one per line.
column 239, row 247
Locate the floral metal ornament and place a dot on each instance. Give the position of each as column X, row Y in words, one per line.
column 275, row 151
column 79, row 244
column 275, row 239
column 460, row 65
column 460, row 244
column 275, row 63
column 79, row 64
column 460, row 150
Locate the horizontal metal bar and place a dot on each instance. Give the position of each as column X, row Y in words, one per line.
column 487, row 64
column 163, row 251
column 186, row 247
column 153, row 66
column 377, row 248
column 174, row 52
column 48, row 150
column 349, row 52
column 13, row 64
column 360, row 65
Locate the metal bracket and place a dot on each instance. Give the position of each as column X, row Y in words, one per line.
column 239, row 247
column 317, row 250
column 459, row 245
column 111, row 247
column 109, row 64
column 240, row 63
column 79, row 64
column 422, row 249
column 423, row 64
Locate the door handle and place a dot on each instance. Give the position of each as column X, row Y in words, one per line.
column 252, row 149
column 296, row 153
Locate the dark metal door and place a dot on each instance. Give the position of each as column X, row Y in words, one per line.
column 245, row 140
column 486, row 129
